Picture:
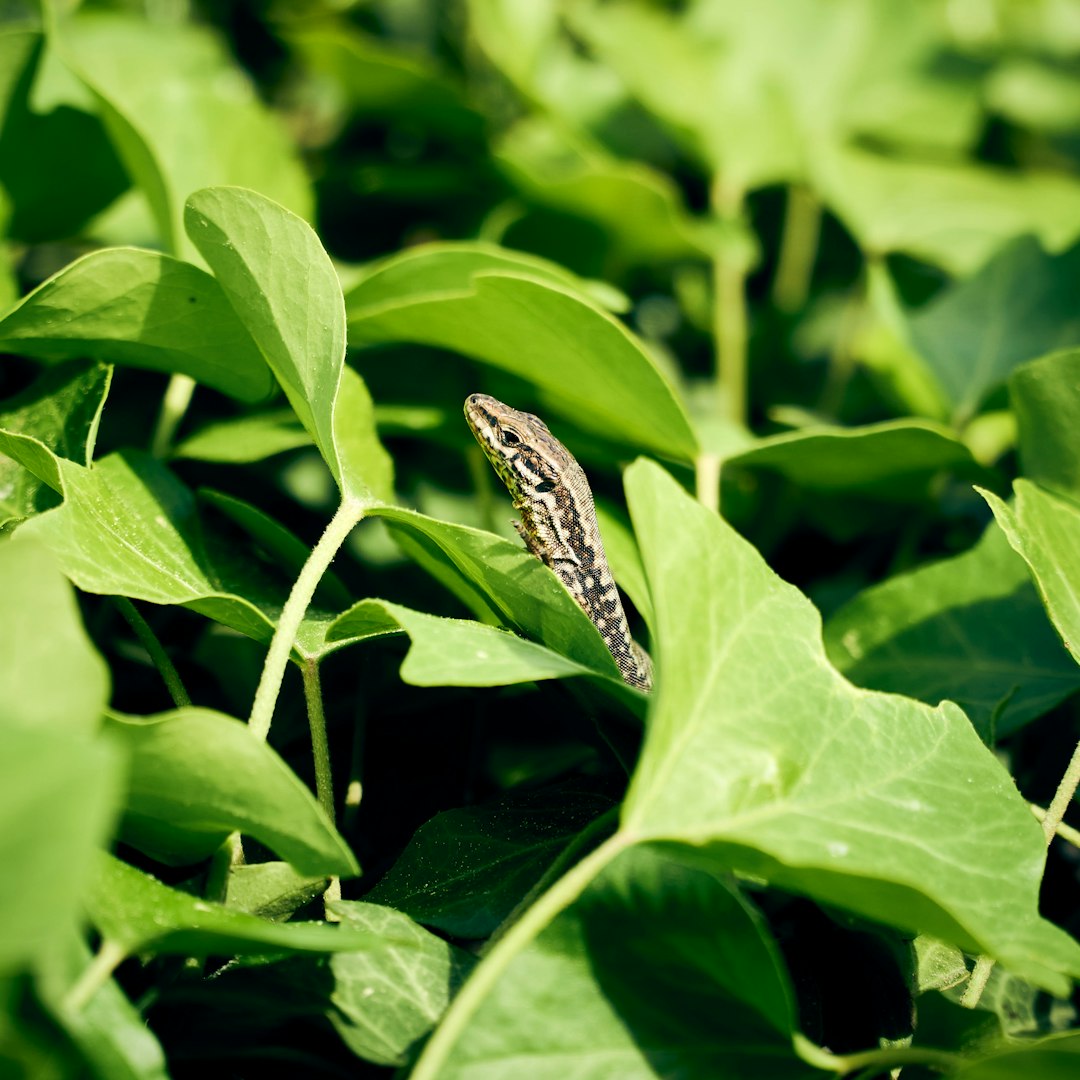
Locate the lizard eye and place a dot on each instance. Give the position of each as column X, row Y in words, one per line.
column 545, row 486
column 510, row 438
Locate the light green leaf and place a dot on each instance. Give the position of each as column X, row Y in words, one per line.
column 456, row 652
column 577, row 355
column 198, row 775
column 125, row 306
column 61, row 411
column 271, row 890
column 954, row 216
column 41, row 634
column 140, row 914
column 58, row 795
column 385, row 999
column 1045, row 529
column 245, row 438
column 283, row 286
column 358, row 445
column 759, row 752
column 659, row 968
column 465, row 870
column 1045, row 396
column 970, row 629
column 1020, row 305
column 181, row 113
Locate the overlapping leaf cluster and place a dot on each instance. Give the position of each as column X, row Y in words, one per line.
column 802, row 276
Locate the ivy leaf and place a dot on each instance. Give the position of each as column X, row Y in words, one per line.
column 760, row 753
column 576, row 354
column 1045, row 530
column 140, row 308
column 198, row 775
column 1020, row 305
column 970, row 629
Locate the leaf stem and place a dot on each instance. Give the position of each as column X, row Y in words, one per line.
column 559, row 897
column 883, row 1059
column 322, row 555
column 707, row 481
column 1055, row 812
column 173, row 406
column 110, row 955
column 1066, row 832
column 156, row 651
column 730, row 331
column 320, row 747
column 980, row 975
column 798, row 249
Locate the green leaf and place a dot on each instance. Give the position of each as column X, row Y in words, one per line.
column 970, row 629
column 198, row 775
column 125, row 306
column 758, row 751
column 1045, row 529
column 245, row 439
column 181, row 113
column 1054, row 1058
column 579, row 357
column 385, row 999
column 465, row 870
column 283, row 286
column 128, row 527
column 272, row 890
column 109, row 1031
column 954, row 216
column 58, row 796
column 1047, row 408
column 41, row 634
column 140, row 914
column 1020, row 305
column 61, row 411
column 457, row 652
column 660, row 968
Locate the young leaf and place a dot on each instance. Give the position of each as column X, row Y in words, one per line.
column 527, row 324
column 140, row 914
column 125, row 306
column 41, row 633
column 1018, row 306
column 970, row 629
column 385, row 999
column 758, row 751
column 1045, row 529
column 61, row 411
column 198, row 775
column 283, row 286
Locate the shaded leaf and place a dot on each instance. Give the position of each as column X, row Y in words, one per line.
column 198, row 775
column 1045, row 397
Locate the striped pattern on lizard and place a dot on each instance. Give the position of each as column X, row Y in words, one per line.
column 558, row 520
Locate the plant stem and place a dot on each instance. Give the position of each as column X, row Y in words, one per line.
column 156, row 651
column 228, row 855
column 107, row 959
column 1062, row 797
column 173, row 406
column 559, row 897
column 874, row 1061
column 798, row 249
column 980, row 974
column 729, row 308
column 1066, row 832
column 707, row 481
column 320, row 747
column 341, row 524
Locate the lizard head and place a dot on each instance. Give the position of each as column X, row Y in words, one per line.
column 530, row 461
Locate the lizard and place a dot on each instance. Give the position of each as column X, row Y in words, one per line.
column 558, row 520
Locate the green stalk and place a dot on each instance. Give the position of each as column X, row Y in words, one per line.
column 106, row 960
column 707, row 481
column 349, row 513
column 173, row 406
column 1066, row 832
column 559, row 897
column 798, row 249
column 320, row 747
column 149, row 641
column 730, row 322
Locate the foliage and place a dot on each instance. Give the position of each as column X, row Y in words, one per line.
column 795, row 282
